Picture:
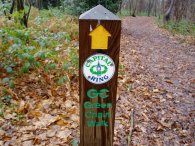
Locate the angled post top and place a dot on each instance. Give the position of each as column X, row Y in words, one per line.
column 98, row 13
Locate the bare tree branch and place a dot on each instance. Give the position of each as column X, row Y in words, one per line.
column 27, row 15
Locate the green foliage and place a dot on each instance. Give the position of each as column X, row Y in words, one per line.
column 4, row 7
column 48, row 50
column 142, row 14
column 18, row 13
column 51, row 12
column 62, row 80
column 21, row 47
column 6, row 105
column 77, row 7
column 75, row 142
column 183, row 27
column 2, row 108
column 8, row 81
column 125, row 12
column 7, row 99
column 39, row 48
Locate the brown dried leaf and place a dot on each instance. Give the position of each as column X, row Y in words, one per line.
column 9, row 116
column 51, row 133
column 165, row 124
column 46, row 120
column 63, row 134
column 27, row 143
column 68, row 104
column 2, row 133
column 169, row 81
column 34, row 114
column 156, row 91
column 28, row 136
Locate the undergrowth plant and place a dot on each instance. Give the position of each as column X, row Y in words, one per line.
column 183, row 27
column 48, row 46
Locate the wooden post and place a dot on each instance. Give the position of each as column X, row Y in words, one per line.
column 99, row 42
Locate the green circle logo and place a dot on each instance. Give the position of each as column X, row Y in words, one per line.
column 98, row 68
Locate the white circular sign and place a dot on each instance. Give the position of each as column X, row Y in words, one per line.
column 98, row 68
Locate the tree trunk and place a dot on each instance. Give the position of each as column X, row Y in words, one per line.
column 155, row 8
column 120, row 6
column 150, row 5
column 134, row 10
column 167, row 15
column 20, row 5
column 39, row 4
column 163, row 6
column 12, row 8
column 20, row 8
column 130, row 6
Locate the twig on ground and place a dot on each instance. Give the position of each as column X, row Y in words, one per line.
column 131, row 128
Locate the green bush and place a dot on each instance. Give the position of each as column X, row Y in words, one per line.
column 4, row 7
column 77, row 7
column 125, row 12
column 183, row 27
column 39, row 48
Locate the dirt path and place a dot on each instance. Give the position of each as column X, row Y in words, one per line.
column 160, row 86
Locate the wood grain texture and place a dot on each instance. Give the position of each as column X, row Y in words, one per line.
column 98, row 136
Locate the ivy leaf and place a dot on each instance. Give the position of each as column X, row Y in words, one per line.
column 66, row 66
column 26, row 67
column 9, row 69
column 7, row 99
column 11, row 84
column 5, row 80
column 52, row 66
column 62, row 80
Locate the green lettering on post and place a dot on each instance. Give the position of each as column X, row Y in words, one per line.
column 93, row 93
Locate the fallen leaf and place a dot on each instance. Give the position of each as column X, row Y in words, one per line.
column 42, row 136
column 8, row 116
column 68, row 104
column 145, row 116
column 2, row 133
column 51, row 133
column 64, row 134
column 169, row 96
column 184, row 133
column 156, row 91
column 23, row 107
column 74, row 125
column 74, row 117
column 169, row 81
column 46, row 120
column 34, row 114
column 166, row 123
column 27, row 143
column 28, row 136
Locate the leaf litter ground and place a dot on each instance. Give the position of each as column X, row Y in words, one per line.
column 160, row 86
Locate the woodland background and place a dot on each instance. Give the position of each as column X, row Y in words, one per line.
column 39, row 65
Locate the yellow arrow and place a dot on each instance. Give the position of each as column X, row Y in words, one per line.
column 99, row 38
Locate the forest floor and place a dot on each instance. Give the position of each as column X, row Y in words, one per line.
column 156, row 81
column 160, row 77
